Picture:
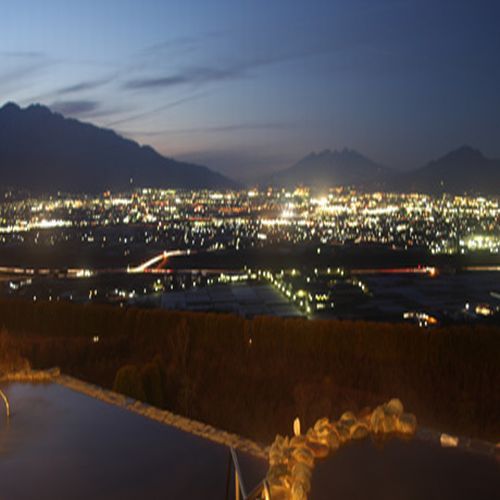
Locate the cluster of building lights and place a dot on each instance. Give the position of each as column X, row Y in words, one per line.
column 239, row 219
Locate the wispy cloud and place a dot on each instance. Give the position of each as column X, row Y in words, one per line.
column 169, row 105
column 200, row 75
column 240, row 126
column 18, row 69
column 83, row 86
column 22, row 54
column 75, row 108
column 85, row 109
column 20, row 64
column 17, row 74
column 234, row 127
column 180, row 43
column 195, row 76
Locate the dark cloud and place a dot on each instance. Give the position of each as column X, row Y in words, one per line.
column 76, row 108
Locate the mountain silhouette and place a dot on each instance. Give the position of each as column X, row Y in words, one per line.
column 43, row 151
column 329, row 169
column 464, row 170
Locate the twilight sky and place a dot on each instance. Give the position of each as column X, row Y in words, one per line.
column 250, row 86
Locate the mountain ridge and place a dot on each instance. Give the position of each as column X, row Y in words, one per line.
column 464, row 169
column 41, row 150
column 44, row 151
column 328, row 168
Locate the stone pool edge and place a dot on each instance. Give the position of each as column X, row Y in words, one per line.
column 166, row 417
column 211, row 433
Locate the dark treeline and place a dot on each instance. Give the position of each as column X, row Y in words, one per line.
column 254, row 376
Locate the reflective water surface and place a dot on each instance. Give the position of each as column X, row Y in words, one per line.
column 62, row 444
column 409, row 470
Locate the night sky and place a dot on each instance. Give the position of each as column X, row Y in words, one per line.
column 251, row 86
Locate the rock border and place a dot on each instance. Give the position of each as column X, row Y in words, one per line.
column 291, row 460
column 193, row 427
column 216, row 435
